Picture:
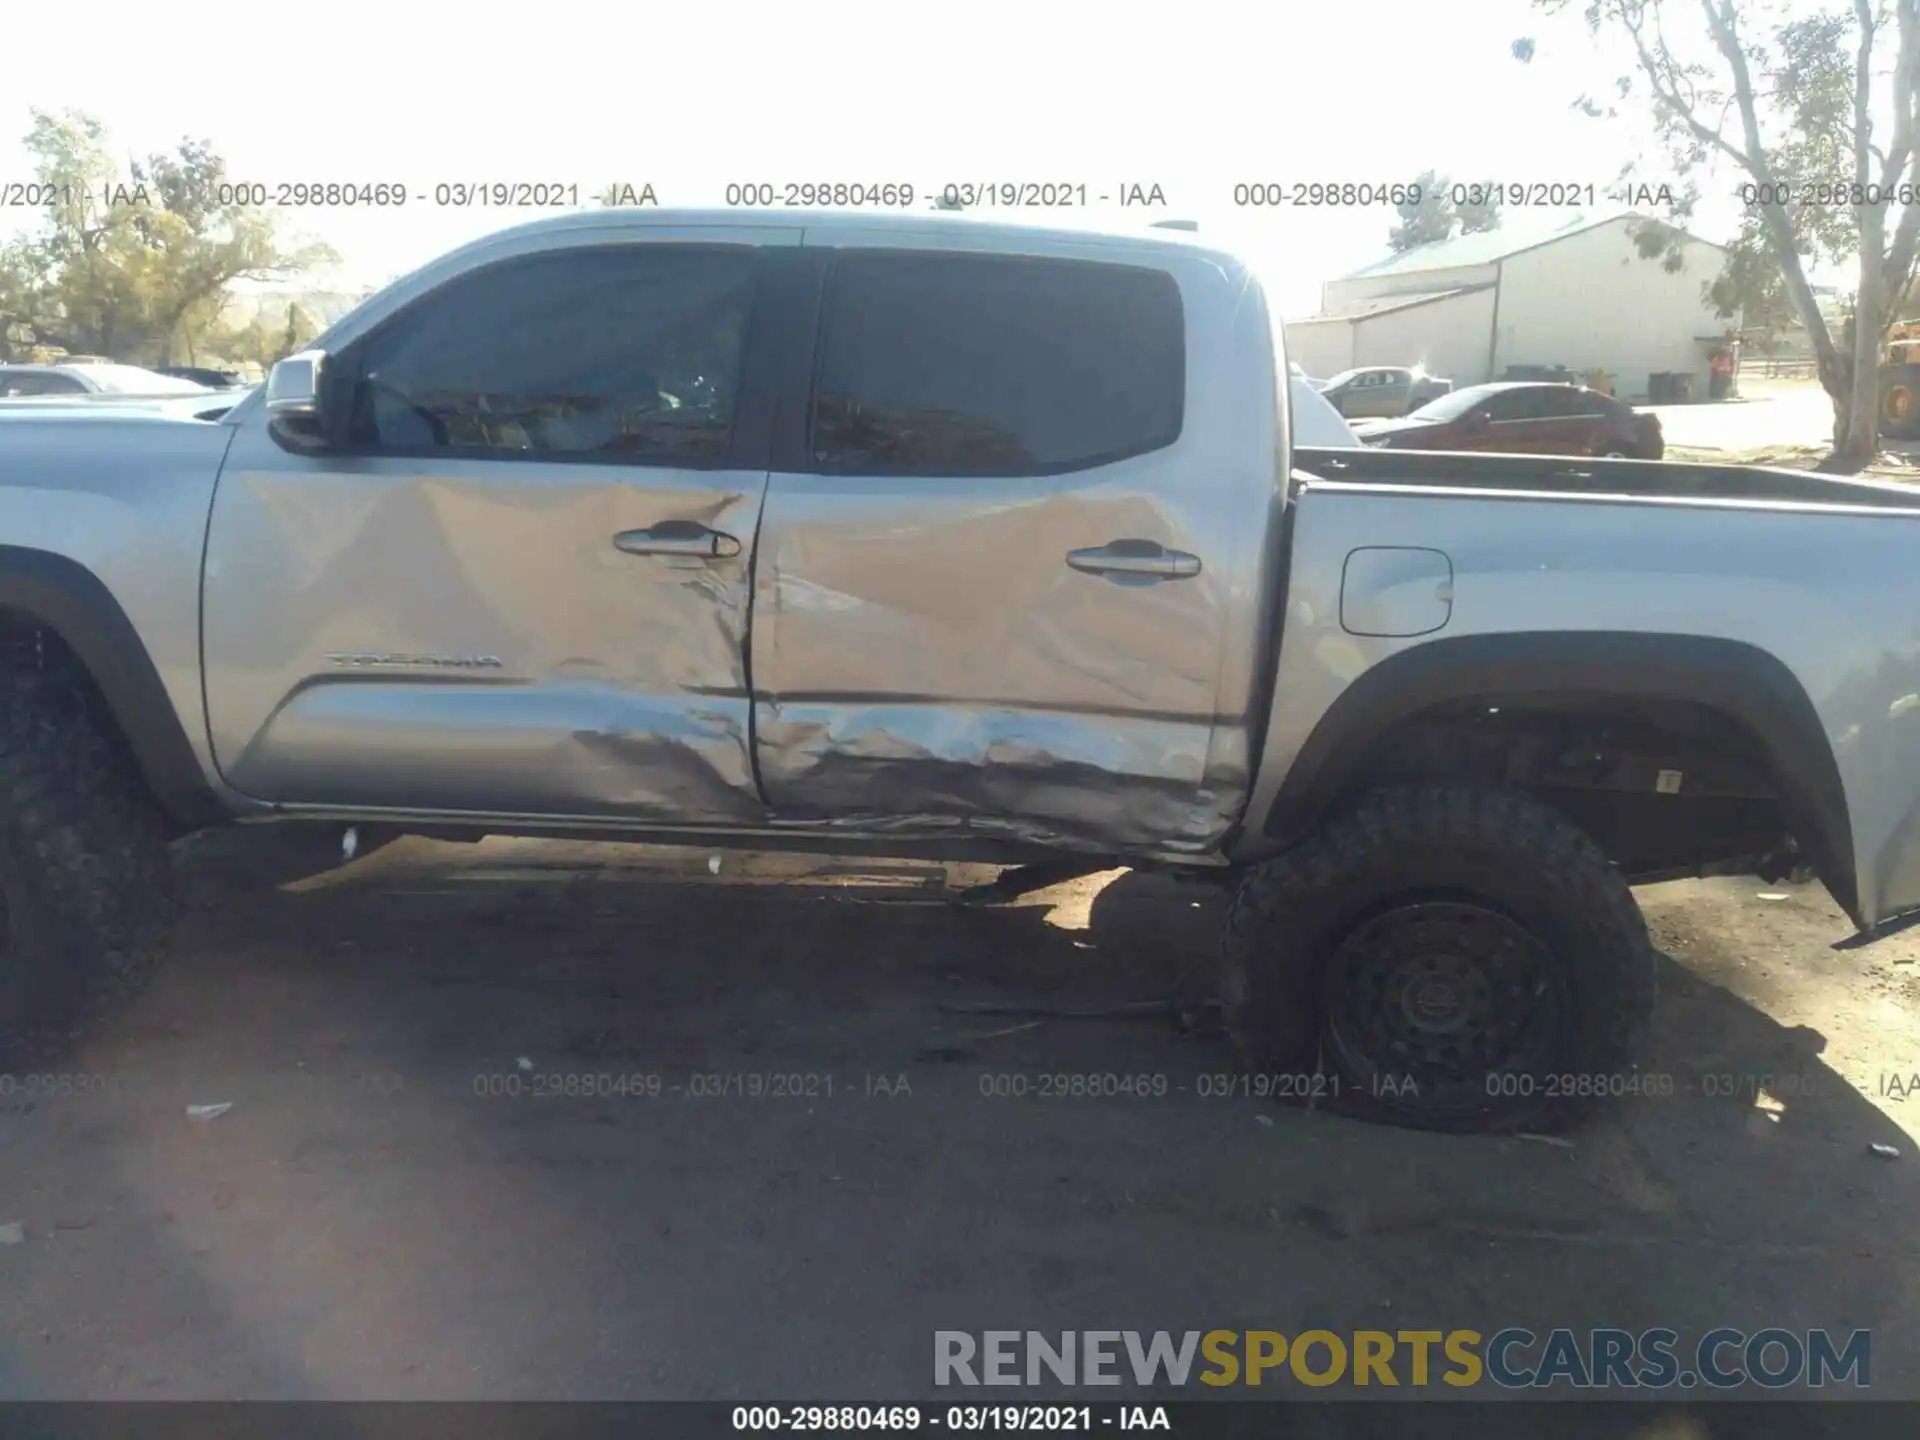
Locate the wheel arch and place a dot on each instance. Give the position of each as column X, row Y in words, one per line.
column 1742, row 683
column 41, row 591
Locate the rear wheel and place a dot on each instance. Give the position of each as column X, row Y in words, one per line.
column 1448, row 957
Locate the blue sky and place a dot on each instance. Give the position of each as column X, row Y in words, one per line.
column 1194, row 98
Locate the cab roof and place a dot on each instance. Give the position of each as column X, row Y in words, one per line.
column 825, row 226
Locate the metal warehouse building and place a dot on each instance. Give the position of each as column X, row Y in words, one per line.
column 1469, row 307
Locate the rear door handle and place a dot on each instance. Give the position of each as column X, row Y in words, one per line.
column 678, row 537
column 1135, row 562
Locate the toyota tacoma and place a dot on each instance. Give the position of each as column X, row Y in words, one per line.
column 931, row 537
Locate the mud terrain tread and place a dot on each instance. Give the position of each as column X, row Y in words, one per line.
column 1272, row 959
column 83, row 857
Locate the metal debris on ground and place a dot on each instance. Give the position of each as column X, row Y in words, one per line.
column 1560, row 1141
column 209, row 1112
column 1771, row 895
column 713, row 864
column 1885, row 1152
column 14, row 1232
column 524, row 1063
column 1059, row 1012
column 1010, row 1030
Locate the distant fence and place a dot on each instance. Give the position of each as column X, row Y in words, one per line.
column 1781, row 368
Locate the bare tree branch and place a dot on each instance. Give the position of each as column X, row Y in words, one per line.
column 1661, row 78
column 1903, row 253
column 1862, row 93
column 1906, row 93
column 1723, row 26
column 1807, row 112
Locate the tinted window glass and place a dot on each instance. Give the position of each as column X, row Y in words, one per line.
column 1455, row 403
column 1514, row 405
column 1567, row 401
column 629, row 354
column 964, row 365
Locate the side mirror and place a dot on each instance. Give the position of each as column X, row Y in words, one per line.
column 295, row 413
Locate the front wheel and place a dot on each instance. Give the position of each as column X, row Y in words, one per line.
column 1899, row 408
column 1448, row 957
column 86, row 882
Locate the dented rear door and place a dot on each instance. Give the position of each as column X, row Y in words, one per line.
column 523, row 588
column 997, row 584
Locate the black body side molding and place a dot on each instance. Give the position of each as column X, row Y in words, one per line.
column 66, row 598
column 1740, row 681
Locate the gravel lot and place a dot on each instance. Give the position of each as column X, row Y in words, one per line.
column 366, row 1222
column 1787, row 424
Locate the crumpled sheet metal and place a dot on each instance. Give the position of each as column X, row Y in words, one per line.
column 1100, row 784
column 925, row 660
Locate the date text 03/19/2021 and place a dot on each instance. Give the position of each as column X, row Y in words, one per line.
column 961, row 1419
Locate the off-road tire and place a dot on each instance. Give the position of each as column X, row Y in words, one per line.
column 1900, row 404
column 1495, row 850
column 86, row 881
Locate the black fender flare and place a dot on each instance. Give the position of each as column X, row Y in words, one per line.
column 1740, row 681
column 62, row 596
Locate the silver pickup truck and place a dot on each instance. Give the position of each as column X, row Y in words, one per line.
column 932, row 537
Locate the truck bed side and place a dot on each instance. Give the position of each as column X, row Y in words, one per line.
column 1770, row 637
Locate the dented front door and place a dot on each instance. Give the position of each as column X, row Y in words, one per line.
column 523, row 588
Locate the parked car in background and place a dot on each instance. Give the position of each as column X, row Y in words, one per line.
column 91, row 378
column 200, row 375
column 1382, row 390
column 201, row 405
column 1315, row 422
column 1517, row 417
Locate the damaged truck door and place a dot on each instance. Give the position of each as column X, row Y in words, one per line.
column 996, row 557
column 513, row 576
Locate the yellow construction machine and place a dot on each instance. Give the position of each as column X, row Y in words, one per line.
column 1900, row 380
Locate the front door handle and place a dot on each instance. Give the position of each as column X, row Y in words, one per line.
column 678, row 537
column 1135, row 562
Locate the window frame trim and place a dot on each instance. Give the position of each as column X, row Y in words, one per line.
column 746, row 436
column 829, row 283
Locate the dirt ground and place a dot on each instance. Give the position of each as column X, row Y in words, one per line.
column 1785, row 424
column 371, row 1219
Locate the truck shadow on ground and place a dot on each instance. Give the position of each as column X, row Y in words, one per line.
column 797, row 1140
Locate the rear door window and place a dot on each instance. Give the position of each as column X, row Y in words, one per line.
column 1566, row 402
column 989, row 365
column 1515, row 405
